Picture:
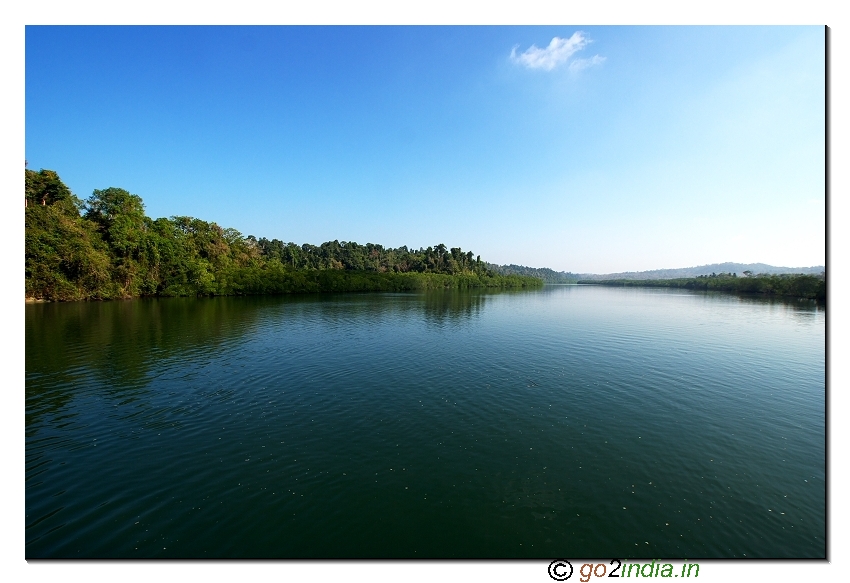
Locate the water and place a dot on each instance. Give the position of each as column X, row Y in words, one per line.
column 571, row 421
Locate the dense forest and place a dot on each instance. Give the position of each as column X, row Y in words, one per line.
column 804, row 286
column 544, row 273
column 106, row 247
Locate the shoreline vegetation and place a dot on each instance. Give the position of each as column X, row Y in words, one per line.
column 544, row 273
column 802, row 286
column 107, row 248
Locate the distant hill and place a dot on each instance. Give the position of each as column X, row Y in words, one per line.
column 544, row 273
column 737, row 268
column 552, row 276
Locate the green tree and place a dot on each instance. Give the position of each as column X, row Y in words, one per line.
column 45, row 188
column 65, row 257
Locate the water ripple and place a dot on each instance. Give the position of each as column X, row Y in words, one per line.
column 439, row 425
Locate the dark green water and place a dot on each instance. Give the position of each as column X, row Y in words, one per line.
column 566, row 422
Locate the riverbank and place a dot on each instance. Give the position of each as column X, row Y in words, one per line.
column 810, row 287
column 261, row 281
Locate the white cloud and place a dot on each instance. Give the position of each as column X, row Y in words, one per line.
column 579, row 64
column 557, row 53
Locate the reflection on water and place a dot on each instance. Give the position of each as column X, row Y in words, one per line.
column 569, row 420
column 118, row 342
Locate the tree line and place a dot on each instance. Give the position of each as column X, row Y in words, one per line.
column 544, row 273
column 106, row 247
column 799, row 285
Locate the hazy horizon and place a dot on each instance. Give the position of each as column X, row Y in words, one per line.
column 670, row 268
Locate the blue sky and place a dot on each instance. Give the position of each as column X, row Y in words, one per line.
column 580, row 148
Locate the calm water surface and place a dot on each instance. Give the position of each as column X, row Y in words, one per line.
column 570, row 421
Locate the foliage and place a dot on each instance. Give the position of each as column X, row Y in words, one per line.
column 804, row 286
column 65, row 257
column 45, row 188
column 106, row 247
column 371, row 257
column 544, row 273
